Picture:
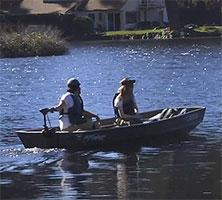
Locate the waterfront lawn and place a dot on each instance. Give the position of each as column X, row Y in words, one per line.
column 209, row 29
column 133, row 32
column 160, row 31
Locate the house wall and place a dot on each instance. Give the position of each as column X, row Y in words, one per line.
column 130, row 16
column 130, row 6
column 152, row 14
column 155, row 12
column 100, row 19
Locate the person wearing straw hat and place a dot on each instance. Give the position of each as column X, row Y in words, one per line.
column 72, row 114
column 124, row 103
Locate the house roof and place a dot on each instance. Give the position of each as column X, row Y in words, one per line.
column 34, row 7
column 100, row 5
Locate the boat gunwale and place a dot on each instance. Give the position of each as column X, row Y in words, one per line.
column 193, row 109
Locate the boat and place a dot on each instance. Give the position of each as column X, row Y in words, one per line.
column 109, row 133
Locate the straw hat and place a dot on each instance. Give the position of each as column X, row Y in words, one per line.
column 126, row 81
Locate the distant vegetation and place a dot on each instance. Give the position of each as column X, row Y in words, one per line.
column 30, row 41
column 134, row 34
column 165, row 33
column 209, row 29
column 82, row 27
column 199, row 12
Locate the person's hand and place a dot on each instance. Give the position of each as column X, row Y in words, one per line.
column 97, row 118
column 52, row 109
column 137, row 115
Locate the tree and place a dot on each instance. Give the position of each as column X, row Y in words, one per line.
column 82, row 26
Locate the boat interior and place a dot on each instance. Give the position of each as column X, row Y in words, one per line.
column 146, row 117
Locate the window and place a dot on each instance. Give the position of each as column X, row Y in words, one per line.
column 92, row 16
column 100, row 16
column 131, row 17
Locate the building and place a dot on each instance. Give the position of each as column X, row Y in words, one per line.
column 34, row 7
column 113, row 15
column 107, row 15
column 36, row 12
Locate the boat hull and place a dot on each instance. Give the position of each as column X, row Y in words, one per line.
column 114, row 135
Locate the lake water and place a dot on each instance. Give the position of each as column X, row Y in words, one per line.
column 167, row 73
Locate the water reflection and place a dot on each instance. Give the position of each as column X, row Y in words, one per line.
column 122, row 181
column 77, row 172
column 73, row 169
column 145, row 172
column 149, row 170
column 26, row 183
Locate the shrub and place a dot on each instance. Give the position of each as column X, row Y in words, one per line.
column 82, row 26
column 31, row 41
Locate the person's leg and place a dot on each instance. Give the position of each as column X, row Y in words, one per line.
column 72, row 128
column 135, row 121
column 88, row 125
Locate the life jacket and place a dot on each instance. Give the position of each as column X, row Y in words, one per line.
column 75, row 113
column 128, row 106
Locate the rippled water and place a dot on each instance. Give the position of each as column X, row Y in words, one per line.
column 168, row 73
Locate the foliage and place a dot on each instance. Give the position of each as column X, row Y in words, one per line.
column 30, row 41
column 163, row 33
column 82, row 26
column 199, row 12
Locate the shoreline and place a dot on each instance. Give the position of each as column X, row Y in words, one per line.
column 145, row 40
column 70, row 43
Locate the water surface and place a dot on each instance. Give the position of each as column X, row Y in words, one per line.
column 168, row 73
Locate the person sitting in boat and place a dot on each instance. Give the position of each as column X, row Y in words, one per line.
column 72, row 114
column 124, row 103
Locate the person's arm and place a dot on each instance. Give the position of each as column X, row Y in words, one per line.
column 125, row 116
column 88, row 114
column 121, row 112
column 136, row 109
column 58, row 107
column 135, row 105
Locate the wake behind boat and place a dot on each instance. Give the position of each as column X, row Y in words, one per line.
column 110, row 134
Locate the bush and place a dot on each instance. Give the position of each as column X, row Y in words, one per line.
column 82, row 26
column 31, row 41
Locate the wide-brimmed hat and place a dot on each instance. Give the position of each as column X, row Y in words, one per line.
column 73, row 83
column 126, row 81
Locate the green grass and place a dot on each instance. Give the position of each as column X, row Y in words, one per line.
column 133, row 32
column 209, row 29
column 202, row 29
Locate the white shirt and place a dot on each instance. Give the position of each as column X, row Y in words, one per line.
column 118, row 102
column 64, row 119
